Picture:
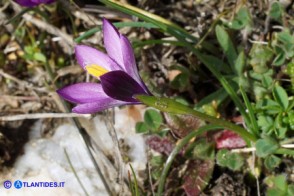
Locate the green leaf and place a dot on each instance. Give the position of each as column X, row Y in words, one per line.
column 226, row 44
column 272, row 162
column 210, row 110
column 265, row 147
column 275, row 192
column 280, row 58
column 39, row 57
column 204, row 150
column 290, row 189
column 221, row 157
column 230, row 89
column 280, row 182
column 277, row 185
column 266, row 123
column 276, row 11
column 290, row 69
column 260, row 56
column 242, row 19
column 134, row 184
column 218, row 96
column 168, row 105
column 181, row 81
column 116, row 24
column 269, row 106
column 267, row 81
column 228, row 159
column 141, row 127
column 240, row 64
column 281, row 96
column 285, row 44
column 253, row 122
column 219, row 64
column 153, row 119
column 160, row 22
column 157, row 161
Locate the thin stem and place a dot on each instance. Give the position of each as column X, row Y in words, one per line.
column 75, row 173
column 176, row 150
column 117, row 156
column 135, row 181
column 42, row 115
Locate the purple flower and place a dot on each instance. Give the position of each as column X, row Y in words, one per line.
column 117, row 71
column 32, row 3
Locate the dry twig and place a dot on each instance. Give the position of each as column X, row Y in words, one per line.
column 42, row 115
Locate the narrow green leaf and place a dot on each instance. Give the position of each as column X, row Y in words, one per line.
column 226, row 44
column 162, row 23
column 172, row 106
column 218, row 64
column 219, row 96
column 177, row 149
column 135, row 182
column 94, row 30
column 225, row 83
column 139, row 43
column 253, row 122
column 240, row 64
column 19, row 15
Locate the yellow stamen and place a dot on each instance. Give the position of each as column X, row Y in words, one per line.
column 96, row 70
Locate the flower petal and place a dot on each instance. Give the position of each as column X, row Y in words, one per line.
column 82, row 92
column 32, row 3
column 42, row 1
column 90, row 56
column 112, row 42
column 90, row 108
column 129, row 58
column 119, row 85
column 130, row 62
column 26, row 3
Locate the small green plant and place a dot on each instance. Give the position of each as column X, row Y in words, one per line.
column 153, row 123
column 233, row 161
column 277, row 185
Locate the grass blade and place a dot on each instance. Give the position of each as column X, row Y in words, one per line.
column 162, row 23
column 253, row 123
column 94, row 30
